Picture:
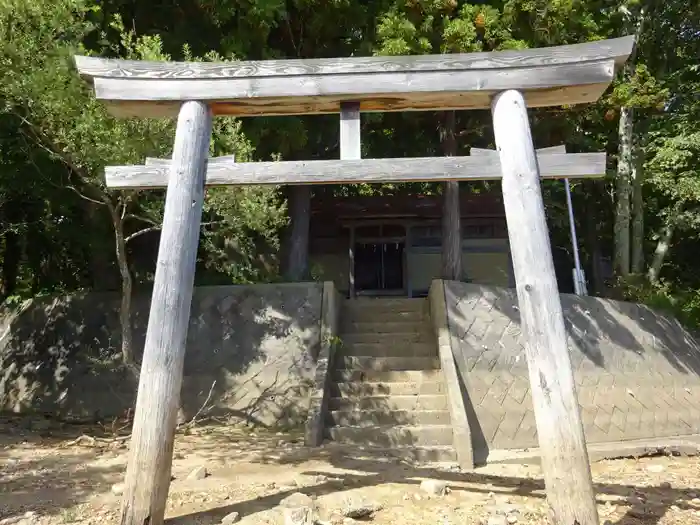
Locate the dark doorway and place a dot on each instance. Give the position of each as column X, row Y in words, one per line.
column 379, row 267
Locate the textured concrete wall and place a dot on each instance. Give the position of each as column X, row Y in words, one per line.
column 259, row 343
column 637, row 372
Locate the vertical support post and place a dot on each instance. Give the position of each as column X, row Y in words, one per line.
column 350, row 148
column 407, row 257
column 562, row 443
column 451, row 213
column 152, row 438
column 351, row 262
column 350, row 140
column 579, row 280
column 299, row 204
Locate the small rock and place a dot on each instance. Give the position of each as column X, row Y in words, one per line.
column 297, row 500
column 665, row 485
column 418, row 497
column 512, row 518
column 434, row 486
column 299, row 516
column 656, row 468
column 118, row 489
column 406, row 497
column 233, row 517
column 198, row 473
column 695, row 501
column 675, row 508
column 11, row 520
column 321, row 478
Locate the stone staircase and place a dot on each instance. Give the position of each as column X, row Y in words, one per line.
column 388, row 392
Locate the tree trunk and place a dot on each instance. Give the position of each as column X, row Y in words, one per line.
column 299, row 202
column 638, row 214
column 663, row 246
column 625, row 161
column 126, row 289
column 593, row 241
column 451, row 224
column 622, row 190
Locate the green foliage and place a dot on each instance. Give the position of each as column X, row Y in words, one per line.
column 684, row 304
column 55, row 139
column 61, row 138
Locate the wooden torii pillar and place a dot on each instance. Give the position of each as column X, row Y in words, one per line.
column 507, row 82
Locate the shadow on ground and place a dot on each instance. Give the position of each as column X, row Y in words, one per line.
column 647, row 504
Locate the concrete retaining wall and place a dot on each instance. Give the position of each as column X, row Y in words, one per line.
column 259, row 343
column 637, row 372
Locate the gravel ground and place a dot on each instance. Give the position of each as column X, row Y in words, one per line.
column 50, row 477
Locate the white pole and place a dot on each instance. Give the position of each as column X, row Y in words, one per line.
column 579, row 281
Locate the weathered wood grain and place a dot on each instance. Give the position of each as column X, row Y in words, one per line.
column 559, row 428
column 350, row 148
column 398, row 102
column 552, row 166
column 458, row 81
column 153, row 434
column 350, row 139
column 616, row 48
column 360, row 87
column 152, row 161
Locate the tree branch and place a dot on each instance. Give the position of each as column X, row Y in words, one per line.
column 141, row 232
column 157, row 227
column 54, row 152
column 143, row 219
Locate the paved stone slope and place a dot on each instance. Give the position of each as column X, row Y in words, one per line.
column 637, row 372
column 255, row 344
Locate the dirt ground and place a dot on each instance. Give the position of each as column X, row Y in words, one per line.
column 49, row 477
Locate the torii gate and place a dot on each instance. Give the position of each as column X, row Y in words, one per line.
column 506, row 82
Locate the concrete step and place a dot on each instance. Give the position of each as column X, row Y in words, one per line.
column 385, row 304
column 369, row 314
column 413, row 388
column 414, row 454
column 370, row 418
column 383, row 338
column 382, row 326
column 392, row 376
column 392, row 436
column 386, row 363
column 392, row 350
column 385, row 403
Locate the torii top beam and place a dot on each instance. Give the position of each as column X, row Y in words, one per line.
column 550, row 76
